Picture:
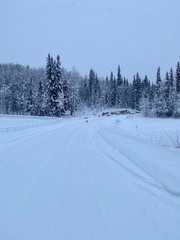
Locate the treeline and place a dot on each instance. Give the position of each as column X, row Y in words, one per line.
column 163, row 98
column 54, row 91
column 50, row 91
column 159, row 99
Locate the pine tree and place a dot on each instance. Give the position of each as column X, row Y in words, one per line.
column 171, row 78
column 92, row 80
column 54, row 88
column 58, row 75
column 73, row 101
column 84, row 91
column 124, row 93
column 120, row 88
column 97, row 93
column 170, row 92
column 167, row 89
column 107, row 93
column 112, row 90
column 50, row 87
column 65, row 103
column 128, row 94
column 160, row 105
column 119, row 77
column 176, row 113
column 178, row 78
column 49, row 68
column 137, row 94
column 145, row 101
column 40, row 104
column 158, row 76
column 13, row 99
column 61, row 89
column 157, row 93
column 30, row 100
column 158, row 81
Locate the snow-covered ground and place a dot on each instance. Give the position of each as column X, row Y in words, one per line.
column 108, row 178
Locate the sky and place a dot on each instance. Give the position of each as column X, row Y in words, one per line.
column 138, row 35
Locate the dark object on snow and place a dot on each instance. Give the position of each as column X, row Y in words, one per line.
column 116, row 112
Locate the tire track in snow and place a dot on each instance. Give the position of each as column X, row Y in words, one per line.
column 90, row 179
column 21, row 173
column 133, row 170
column 14, row 160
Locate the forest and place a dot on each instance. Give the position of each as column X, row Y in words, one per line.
column 54, row 91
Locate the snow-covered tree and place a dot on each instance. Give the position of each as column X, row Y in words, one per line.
column 40, row 101
column 145, row 101
column 54, row 87
column 92, row 79
column 178, row 78
column 160, row 106
column 65, row 102
column 30, row 100
column 120, row 88
column 170, row 92
column 176, row 113
column 137, row 93
column 158, row 98
column 112, row 90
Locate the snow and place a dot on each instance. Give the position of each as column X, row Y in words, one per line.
column 142, row 142
column 109, row 178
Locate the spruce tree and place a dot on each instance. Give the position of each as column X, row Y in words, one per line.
column 107, row 93
column 84, row 91
column 167, row 92
column 120, row 86
column 65, row 104
column 40, row 104
column 145, row 101
column 50, row 87
column 158, row 79
column 137, row 94
column 178, row 78
column 97, row 93
column 54, row 87
column 170, row 92
column 119, row 77
column 58, row 75
column 176, row 113
column 30, row 100
column 126, row 94
column 112, row 90
column 160, row 105
column 92, row 80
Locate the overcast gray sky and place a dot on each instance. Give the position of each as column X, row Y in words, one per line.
column 140, row 35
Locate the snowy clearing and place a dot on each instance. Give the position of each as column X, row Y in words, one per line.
column 109, row 178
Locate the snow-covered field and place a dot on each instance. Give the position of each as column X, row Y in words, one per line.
column 108, row 178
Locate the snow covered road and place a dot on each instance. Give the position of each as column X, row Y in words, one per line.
column 75, row 180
